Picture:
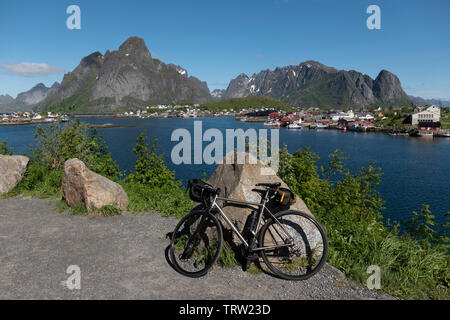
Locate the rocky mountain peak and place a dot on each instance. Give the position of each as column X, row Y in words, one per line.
column 387, row 87
column 135, row 46
column 127, row 77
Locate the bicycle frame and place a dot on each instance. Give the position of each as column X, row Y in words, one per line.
column 262, row 207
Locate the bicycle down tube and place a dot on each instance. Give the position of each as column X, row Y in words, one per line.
column 233, row 227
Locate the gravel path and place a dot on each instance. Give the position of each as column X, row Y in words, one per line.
column 123, row 257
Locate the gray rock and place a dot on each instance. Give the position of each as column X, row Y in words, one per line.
column 12, row 169
column 80, row 186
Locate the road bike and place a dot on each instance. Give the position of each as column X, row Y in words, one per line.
column 291, row 243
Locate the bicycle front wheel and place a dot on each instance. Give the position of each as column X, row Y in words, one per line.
column 297, row 245
column 196, row 243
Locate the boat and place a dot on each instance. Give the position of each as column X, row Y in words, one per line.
column 272, row 123
column 321, row 125
column 421, row 133
column 294, row 125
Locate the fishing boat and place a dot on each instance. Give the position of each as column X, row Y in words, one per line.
column 321, row 125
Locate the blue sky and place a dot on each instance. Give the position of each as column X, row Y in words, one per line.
column 217, row 40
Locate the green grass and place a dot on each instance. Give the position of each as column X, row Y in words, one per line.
column 38, row 182
column 169, row 199
column 110, row 210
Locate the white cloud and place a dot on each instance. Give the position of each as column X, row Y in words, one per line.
column 30, row 69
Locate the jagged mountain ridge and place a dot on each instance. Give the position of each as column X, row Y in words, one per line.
column 312, row 84
column 128, row 77
column 36, row 94
column 27, row 99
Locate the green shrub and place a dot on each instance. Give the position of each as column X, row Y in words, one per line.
column 150, row 169
column 4, row 150
column 152, row 185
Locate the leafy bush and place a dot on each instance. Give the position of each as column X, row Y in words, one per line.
column 150, row 169
column 152, row 185
column 349, row 208
column 57, row 143
column 4, row 150
column 54, row 145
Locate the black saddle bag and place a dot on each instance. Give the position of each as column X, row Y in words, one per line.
column 284, row 197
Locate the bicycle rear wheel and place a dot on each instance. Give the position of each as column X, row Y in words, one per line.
column 300, row 245
column 196, row 243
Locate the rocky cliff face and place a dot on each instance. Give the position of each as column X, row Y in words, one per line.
column 311, row 84
column 128, row 77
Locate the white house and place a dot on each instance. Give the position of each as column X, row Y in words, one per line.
column 430, row 114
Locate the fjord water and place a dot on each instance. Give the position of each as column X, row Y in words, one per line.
column 416, row 170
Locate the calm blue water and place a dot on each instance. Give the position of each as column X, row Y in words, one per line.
column 416, row 171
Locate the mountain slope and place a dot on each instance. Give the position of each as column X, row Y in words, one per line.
column 128, row 78
column 312, row 84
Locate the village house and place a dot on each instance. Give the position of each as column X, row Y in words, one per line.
column 429, row 114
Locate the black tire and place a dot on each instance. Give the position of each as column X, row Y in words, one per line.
column 309, row 252
column 196, row 243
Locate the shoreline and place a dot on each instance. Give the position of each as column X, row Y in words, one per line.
column 388, row 130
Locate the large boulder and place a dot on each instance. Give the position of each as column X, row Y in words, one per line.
column 80, row 186
column 12, row 169
column 238, row 181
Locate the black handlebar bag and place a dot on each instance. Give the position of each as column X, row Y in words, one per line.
column 197, row 190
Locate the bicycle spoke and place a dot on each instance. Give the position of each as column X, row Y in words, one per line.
column 196, row 243
column 306, row 250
